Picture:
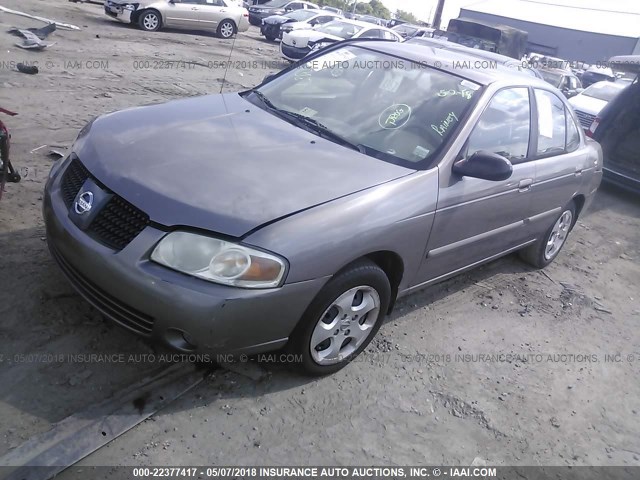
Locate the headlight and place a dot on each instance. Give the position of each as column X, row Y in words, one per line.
column 130, row 6
column 219, row 261
column 320, row 45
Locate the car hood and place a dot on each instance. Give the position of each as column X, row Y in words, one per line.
column 277, row 20
column 303, row 37
column 222, row 164
column 587, row 104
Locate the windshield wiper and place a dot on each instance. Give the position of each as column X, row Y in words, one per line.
column 323, row 130
column 315, row 125
column 263, row 98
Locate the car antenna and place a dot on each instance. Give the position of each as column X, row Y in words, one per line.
column 226, row 69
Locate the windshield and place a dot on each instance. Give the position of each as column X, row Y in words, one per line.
column 603, row 91
column 301, row 15
column 276, row 3
column 389, row 108
column 340, row 29
column 405, row 29
column 551, row 77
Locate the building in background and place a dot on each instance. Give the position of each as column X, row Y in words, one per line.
column 588, row 31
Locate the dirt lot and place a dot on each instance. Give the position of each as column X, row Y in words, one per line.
column 429, row 390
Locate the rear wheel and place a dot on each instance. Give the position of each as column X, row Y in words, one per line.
column 271, row 38
column 226, row 29
column 150, row 20
column 547, row 248
column 342, row 319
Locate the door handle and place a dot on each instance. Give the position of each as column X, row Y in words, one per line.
column 194, row 8
column 525, row 184
column 578, row 171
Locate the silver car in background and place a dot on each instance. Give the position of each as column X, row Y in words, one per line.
column 224, row 17
column 304, row 207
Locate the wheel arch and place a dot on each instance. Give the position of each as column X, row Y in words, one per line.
column 235, row 25
column 579, row 201
column 391, row 264
column 135, row 18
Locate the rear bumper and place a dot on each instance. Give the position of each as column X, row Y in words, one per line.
column 183, row 312
column 624, row 180
column 256, row 18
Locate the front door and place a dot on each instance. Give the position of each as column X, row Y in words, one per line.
column 478, row 219
column 183, row 14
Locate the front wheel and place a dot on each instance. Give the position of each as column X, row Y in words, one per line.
column 149, row 21
column 226, row 29
column 547, row 248
column 342, row 319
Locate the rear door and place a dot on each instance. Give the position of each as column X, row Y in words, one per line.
column 212, row 12
column 477, row 219
column 557, row 157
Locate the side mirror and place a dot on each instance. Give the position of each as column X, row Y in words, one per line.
column 484, row 165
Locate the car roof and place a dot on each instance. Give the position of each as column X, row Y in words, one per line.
column 618, row 85
column 478, row 52
column 626, row 63
column 359, row 23
column 451, row 61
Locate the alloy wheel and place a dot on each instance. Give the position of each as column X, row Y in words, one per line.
column 345, row 325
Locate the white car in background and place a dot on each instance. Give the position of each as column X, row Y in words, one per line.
column 588, row 103
column 299, row 43
column 274, row 26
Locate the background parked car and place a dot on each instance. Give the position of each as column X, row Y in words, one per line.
column 274, row 26
column 588, row 103
column 299, row 43
column 597, row 74
column 277, row 7
column 563, row 79
column 371, row 19
column 408, row 30
column 337, row 11
column 225, row 17
column 617, row 128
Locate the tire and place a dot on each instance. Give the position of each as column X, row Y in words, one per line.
column 150, row 20
column 271, row 38
column 543, row 252
column 226, row 29
column 326, row 339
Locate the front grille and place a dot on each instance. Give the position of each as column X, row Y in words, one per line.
column 113, row 308
column 72, row 181
column 117, row 224
column 586, row 119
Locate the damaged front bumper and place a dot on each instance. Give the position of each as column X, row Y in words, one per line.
column 120, row 11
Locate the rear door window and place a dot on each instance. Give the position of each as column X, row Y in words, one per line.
column 552, row 124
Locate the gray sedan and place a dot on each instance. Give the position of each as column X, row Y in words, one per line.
column 296, row 213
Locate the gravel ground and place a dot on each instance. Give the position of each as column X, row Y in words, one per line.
column 428, row 390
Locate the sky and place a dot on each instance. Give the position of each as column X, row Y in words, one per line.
column 424, row 9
